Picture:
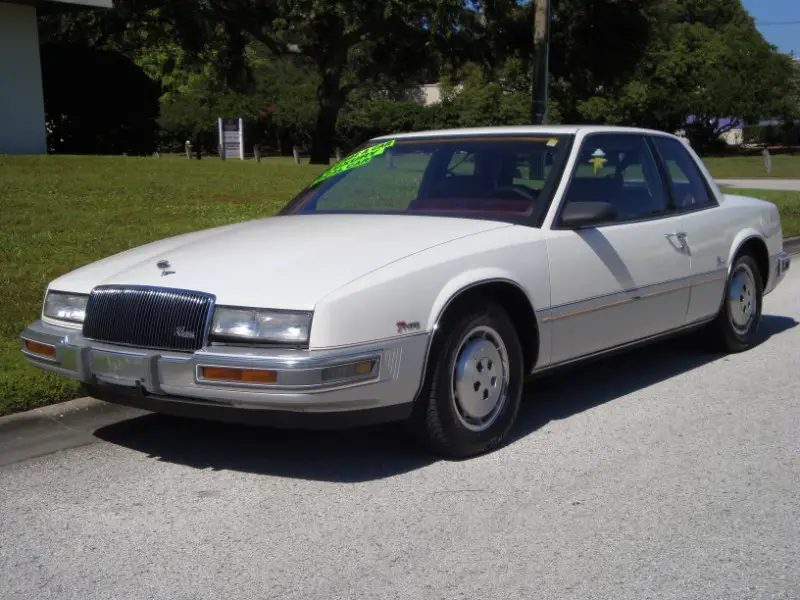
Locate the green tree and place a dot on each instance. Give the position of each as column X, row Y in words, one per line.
column 705, row 70
column 480, row 99
column 595, row 45
column 348, row 42
column 278, row 104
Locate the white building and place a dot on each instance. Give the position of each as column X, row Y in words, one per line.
column 431, row 94
column 21, row 101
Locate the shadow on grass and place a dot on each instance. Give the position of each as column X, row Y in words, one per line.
column 385, row 451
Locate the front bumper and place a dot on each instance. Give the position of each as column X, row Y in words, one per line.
column 158, row 380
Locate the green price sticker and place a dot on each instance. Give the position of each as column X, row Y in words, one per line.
column 358, row 159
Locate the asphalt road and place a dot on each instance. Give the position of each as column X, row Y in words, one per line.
column 789, row 185
column 666, row 473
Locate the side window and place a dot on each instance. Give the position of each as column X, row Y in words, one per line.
column 687, row 182
column 619, row 169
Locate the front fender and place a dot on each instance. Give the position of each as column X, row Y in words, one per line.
column 418, row 288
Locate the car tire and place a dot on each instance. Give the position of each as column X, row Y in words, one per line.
column 474, row 382
column 736, row 326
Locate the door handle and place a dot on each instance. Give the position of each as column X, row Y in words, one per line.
column 681, row 237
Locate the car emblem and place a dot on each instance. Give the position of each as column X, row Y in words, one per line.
column 182, row 332
column 164, row 266
column 403, row 327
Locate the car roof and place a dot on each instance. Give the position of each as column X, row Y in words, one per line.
column 520, row 130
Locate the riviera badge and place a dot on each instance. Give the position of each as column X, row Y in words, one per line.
column 403, row 327
column 184, row 333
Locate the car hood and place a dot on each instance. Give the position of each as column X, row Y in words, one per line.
column 287, row 262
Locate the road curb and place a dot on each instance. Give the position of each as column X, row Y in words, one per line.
column 73, row 414
column 50, row 413
column 53, row 428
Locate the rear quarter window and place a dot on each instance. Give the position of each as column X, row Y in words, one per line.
column 687, row 183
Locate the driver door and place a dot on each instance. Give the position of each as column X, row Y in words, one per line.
column 624, row 280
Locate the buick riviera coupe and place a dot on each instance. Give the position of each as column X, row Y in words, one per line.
column 423, row 278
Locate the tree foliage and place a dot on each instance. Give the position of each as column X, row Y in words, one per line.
column 108, row 109
column 330, row 73
column 707, row 70
column 348, row 42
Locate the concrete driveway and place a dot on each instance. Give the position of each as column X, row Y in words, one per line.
column 665, row 473
column 788, row 185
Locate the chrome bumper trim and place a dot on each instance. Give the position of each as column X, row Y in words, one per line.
column 299, row 387
column 294, row 378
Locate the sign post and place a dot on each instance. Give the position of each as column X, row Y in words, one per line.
column 231, row 138
column 541, row 61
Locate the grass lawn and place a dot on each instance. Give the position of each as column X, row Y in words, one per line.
column 61, row 212
column 787, row 202
column 749, row 167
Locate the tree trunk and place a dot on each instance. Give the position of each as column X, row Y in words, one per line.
column 541, row 59
column 331, row 101
column 322, row 144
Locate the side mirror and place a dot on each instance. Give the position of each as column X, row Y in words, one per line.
column 581, row 214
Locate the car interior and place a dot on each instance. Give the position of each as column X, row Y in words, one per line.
column 486, row 180
column 623, row 174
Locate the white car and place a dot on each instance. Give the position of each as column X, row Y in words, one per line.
column 422, row 278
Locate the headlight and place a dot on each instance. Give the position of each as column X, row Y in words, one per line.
column 254, row 325
column 65, row 307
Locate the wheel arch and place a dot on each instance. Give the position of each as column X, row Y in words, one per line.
column 500, row 289
column 751, row 242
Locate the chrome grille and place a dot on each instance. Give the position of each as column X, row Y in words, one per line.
column 148, row 317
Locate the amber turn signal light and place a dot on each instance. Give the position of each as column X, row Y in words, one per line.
column 240, row 375
column 44, row 350
column 357, row 370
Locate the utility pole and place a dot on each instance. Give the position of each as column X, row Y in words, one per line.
column 541, row 61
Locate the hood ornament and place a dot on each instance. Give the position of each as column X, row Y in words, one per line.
column 164, row 266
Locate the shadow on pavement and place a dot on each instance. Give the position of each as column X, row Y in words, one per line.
column 385, row 451
column 561, row 395
column 348, row 456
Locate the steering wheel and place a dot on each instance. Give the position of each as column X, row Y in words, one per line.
column 526, row 194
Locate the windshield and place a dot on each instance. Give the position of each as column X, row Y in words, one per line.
column 480, row 177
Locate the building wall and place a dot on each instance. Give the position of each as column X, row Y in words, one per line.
column 431, row 93
column 734, row 137
column 22, row 129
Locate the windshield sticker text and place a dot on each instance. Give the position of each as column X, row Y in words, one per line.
column 356, row 160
